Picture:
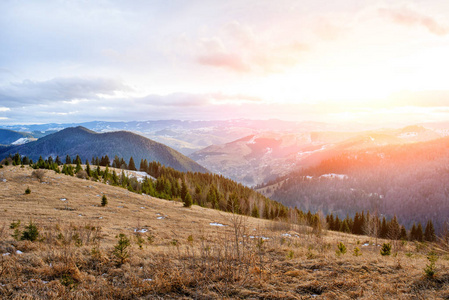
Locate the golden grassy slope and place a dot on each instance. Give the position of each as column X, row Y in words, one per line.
column 186, row 257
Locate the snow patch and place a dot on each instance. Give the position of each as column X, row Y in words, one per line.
column 216, row 224
column 258, row 237
column 407, row 135
column 252, row 140
column 143, row 230
column 334, row 176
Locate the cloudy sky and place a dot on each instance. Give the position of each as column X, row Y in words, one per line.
column 75, row 61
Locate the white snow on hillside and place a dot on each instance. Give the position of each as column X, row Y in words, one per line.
column 21, row 141
column 252, row 141
column 334, row 176
column 406, row 135
column 140, row 176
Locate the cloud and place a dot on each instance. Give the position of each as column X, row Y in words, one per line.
column 175, row 105
column 421, row 98
column 236, row 47
column 30, row 92
column 407, row 17
column 185, row 100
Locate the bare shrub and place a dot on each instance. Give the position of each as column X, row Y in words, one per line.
column 82, row 174
column 38, row 174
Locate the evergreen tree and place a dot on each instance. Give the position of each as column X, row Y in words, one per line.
column 106, row 174
column 419, row 233
column 114, row 178
column 88, row 171
column 212, row 196
column 403, row 234
column 104, row 200
column 384, row 229
column 413, row 233
column 26, row 160
column 184, row 190
column 330, row 221
column 68, row 161
column 429, row 232
column 78, row 167
column 116, row 162
column 198, row 199
column 337, row 223
column 187, row 200
column 58, row 160
column 131, row 165
column 344, row 227
column 394, row 230
column 232, row 205
column 123, row 164
column 255, row 211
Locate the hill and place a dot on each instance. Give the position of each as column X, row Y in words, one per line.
column 10, row 137
column 143, row 247
column 406, row 180
column 87, row 144
column 261, row 157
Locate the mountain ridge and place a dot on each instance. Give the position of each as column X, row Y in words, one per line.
column 86, row 143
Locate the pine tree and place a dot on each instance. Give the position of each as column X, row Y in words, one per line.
column 187, row 200
column 419, row 233
column 384, row 229
column 68, row 161
column 88, row 171
column 403, row 234
column 255, row 211
column 232, row 205
column 413, row 233
column 58, row 160
column 394, row 230
column 104, row 200
column 429, row 232
column 344, row 227
column 114, row 178
column 330, row 221
column 184, row 190
column 131, row 165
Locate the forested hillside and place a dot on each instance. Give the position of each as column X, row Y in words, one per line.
column 86, row 143
column 8, row 137
column 409, row 181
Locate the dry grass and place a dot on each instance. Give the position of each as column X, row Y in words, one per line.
column 182, row 255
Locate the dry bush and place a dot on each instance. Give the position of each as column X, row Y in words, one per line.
column 82, row 174
column 38, row 174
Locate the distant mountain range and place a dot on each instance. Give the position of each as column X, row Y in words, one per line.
column 183, row 136
column 262, row 157
column 87, row 144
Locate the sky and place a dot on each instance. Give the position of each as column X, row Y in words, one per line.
column 302, row 60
